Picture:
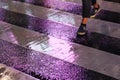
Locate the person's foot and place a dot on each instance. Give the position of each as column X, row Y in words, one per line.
column 82, row 30
column 94, row 11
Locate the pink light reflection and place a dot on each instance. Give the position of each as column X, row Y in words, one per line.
column 65, row 49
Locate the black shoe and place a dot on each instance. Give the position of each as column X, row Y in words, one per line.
column 82, row 30
column 94, row 11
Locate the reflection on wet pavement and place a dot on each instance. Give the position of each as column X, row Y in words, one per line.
column 62, row 49
column 7, row 73
column 57, row 4
column 35, row 63
column 21, row 36
column 75, row 8
column 43, row 27
column 62, row 31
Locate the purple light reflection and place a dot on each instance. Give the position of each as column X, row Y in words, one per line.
column 65, row 48
column 43, row 66
column 57, row 4
column 55, row 47
column 9, row 36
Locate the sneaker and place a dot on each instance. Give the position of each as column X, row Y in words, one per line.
column 94, row 11
column 82, row 30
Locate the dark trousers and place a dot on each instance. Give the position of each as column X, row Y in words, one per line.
column 86, row 7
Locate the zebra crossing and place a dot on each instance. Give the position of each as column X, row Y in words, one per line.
column 46, row 31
